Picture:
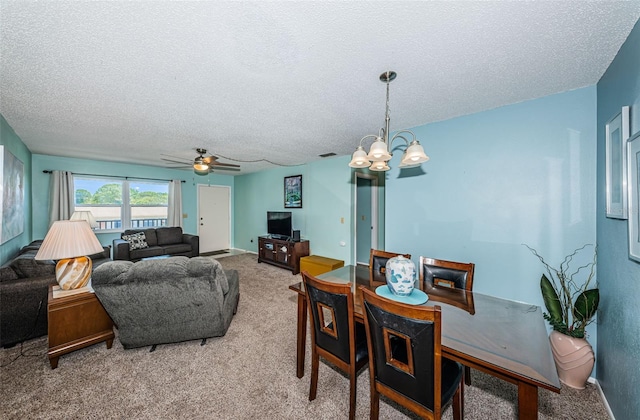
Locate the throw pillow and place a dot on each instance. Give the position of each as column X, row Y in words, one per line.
column 136, row 241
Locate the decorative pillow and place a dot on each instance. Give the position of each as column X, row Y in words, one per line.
column 136, row 241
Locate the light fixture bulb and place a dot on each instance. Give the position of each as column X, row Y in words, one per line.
column 359, row 158
column 199, row 165
column 414, row 155
column 378, row 151
column 379, row 166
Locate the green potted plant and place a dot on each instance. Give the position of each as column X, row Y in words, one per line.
column 571, row 305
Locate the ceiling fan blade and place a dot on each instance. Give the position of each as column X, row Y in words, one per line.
column 229, row 165
column 209, row 159
column 224, row 168
column 175, row 161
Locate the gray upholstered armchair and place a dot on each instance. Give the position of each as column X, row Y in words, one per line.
column 167, row 300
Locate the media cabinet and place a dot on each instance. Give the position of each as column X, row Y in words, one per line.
column 282, row 253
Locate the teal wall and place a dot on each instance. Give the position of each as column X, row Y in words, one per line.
column 619, row 277
column 327, row 189
column 97, row 167
column 14, row 144
column 519, row 174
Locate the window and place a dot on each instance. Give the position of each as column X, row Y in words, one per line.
column 122, row 204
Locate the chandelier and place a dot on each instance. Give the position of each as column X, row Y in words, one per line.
column 380, row 151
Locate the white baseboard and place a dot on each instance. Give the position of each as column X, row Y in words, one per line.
column 246, row 251
column 592, row 380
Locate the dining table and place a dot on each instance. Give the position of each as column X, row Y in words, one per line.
column 501, row 337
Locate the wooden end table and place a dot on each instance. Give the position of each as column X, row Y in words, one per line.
column 76, row 321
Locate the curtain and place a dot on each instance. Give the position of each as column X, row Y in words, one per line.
column 174, row 217
column 61, row 196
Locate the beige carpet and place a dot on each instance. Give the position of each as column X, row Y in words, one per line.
column 248, row 374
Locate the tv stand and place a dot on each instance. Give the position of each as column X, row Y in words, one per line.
column 282, row 252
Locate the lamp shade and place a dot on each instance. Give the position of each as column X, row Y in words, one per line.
column 359, row 158
column 379, row 166
column 85, row 215
column 378, row 151
column 68, row 239
column 414, row 155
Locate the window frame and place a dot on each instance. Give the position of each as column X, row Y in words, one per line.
column 125, row 206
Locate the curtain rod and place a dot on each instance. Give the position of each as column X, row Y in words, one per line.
column 48, row 171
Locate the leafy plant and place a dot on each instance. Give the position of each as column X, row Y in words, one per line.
column 570, row 308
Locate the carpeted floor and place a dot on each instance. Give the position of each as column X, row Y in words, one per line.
column 247, row 374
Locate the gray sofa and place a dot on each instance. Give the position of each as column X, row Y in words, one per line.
column 167, row 300
column 24, row 288
column 156, row 242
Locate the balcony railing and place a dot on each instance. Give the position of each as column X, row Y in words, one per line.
column 135, row 223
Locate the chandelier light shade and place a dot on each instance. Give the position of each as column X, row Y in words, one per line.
column 69, row 241
column 380, row 151
column 85, row 215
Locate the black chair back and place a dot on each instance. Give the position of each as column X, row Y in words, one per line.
column 442, row 273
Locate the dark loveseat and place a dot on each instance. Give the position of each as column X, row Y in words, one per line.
column 167, row 300
column 153, row 242
column 24, row 288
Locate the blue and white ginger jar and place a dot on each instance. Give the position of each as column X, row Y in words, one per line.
column 401, row 275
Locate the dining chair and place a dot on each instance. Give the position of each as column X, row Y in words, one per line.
column 335, row 335
column 377, row 264
column 405, row 358
column 450, row 274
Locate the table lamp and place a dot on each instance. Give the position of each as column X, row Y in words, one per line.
column 69, row 242
column 85, row 215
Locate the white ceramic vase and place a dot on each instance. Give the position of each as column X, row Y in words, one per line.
column 400, row 273
column 574, row 359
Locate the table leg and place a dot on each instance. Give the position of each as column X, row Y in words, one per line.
column 54, row 362
column 527, row 401
column 302, row 334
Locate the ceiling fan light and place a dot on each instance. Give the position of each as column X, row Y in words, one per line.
column 199, row 165
column 359, row 158
column 378, row 151
column 414, row 155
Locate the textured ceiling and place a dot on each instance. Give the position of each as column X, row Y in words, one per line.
column 282, row 81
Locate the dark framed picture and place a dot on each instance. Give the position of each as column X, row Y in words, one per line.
column 293, row 192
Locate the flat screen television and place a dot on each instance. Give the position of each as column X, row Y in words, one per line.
column 279, row 224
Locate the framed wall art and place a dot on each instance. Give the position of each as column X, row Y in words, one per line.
column 293, row 192
column 11, row 195
column 617, row 133
column 633, row 172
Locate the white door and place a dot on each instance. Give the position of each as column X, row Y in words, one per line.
column 214, row 218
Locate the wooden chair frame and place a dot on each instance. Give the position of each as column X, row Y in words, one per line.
column 425, row 313
column 469, row 268
column 351, row 368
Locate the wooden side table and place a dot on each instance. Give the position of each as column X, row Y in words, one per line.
column 75, row 322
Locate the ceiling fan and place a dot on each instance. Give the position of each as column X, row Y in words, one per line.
column 202, row 164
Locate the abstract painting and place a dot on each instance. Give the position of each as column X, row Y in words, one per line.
column 12, row 195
